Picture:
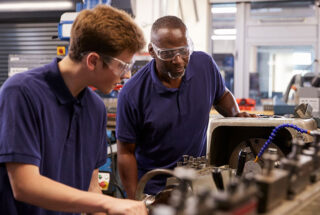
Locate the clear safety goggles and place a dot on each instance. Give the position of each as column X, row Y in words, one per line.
column 121, row 66
column 170, row 54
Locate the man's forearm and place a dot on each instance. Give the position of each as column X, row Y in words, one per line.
column 41, row 191
column 95, row 188
column 127, row 166
column 30, row 187
column 227, row 105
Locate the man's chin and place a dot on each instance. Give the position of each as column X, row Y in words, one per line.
column 176, row 75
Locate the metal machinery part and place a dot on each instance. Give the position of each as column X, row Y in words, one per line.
column 274, row 185
column 224, row 135
column 299, row 167
column 143, row 181
column 238, row 195
column 252, row 147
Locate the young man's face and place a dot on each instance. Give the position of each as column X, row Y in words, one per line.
column 114, row 70
column 171, row 51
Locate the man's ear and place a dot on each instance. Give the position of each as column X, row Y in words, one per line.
column 92, row 60
column 151, row 51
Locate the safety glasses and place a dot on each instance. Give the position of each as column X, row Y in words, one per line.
column 121, row 66
column 170, row 54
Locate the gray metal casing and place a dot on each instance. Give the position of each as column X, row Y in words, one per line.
column 224, row 134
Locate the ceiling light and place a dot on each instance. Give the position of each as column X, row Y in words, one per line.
column 36, row 6
column 223, row 37
column 216, row 10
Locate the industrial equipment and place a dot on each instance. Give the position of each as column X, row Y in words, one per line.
column 251, row 134
column 306, row 89
column 274, row 181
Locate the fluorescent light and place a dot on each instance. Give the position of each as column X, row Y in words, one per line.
column 225, row 31
column 223, row 37
column 223, row 10
column 36, row 6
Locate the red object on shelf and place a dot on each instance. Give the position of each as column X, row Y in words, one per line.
column 111, row 115
column 246, row 104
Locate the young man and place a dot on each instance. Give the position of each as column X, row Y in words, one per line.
column 52, row 131
column 163, row 110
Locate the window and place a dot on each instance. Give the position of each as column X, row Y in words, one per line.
column 223, row 40
column 274, row 67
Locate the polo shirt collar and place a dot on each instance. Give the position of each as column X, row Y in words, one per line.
column 59, row 88
column 160, row 88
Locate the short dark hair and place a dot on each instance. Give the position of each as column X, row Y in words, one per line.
column 168, row 22
column 105, row 30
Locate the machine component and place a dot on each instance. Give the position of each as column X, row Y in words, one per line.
column 241, row 162
column 191, row 162
column 223, row 148
column 217, row 178
column 272, row 183
column 298, row 81
column 314, row 153
column 310, row 95
column 143, row 181
column 306, row 90
column 273, row 134
column 163, row 210
column 299, row 168
column 252, row 147
column 252, row 168
column 217, row 190
column 238, row 198
column 303, row 111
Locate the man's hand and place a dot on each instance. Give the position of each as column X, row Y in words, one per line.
column 227, row 106
column 245, row 114
column 128, row 207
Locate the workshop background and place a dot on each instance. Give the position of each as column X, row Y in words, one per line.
column 268, row 53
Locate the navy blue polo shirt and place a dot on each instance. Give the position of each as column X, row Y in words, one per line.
column 44, row 125
column 167, row 123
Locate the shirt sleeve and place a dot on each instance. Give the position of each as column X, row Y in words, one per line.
column 218, row 81
column 127, row 120
column 103, row 152
column 19, row 131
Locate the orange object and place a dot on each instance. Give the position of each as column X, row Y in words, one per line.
column 294, row 88
column 246, row 104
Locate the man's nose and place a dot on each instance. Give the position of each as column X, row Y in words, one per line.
column 177, row 59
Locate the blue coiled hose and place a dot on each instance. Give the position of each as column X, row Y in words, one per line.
column 273, row 134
